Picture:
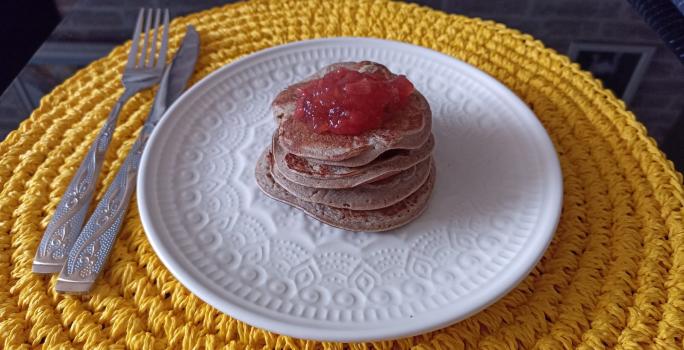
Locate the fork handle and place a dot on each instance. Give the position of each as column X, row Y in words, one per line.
column 92, row 248
column 67, row 221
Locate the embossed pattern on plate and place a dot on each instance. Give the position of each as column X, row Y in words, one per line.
column 492, row 214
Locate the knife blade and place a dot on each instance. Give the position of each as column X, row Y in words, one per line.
column 91, row 250
column 180, row 72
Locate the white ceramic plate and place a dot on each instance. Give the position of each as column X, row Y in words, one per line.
column 492, row 214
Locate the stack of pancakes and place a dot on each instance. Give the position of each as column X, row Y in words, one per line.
column 375, row 181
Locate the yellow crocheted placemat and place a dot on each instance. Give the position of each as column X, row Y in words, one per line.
column 612, row 278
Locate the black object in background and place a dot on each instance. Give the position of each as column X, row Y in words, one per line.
column 666, row 20
column 24, row 26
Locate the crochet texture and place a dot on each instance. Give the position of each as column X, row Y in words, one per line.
column 612, row 278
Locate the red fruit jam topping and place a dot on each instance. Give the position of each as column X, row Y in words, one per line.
column 348, row 102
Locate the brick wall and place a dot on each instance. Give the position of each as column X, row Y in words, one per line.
column 658, row 103
column 113, row 20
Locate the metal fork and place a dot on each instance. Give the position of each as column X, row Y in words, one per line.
column 142, row 72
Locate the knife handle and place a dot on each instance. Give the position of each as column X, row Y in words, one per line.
column 89, row 253
column 67, row 221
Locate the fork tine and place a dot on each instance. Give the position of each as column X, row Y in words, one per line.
column 161, row 61
column 133, row 53
column 144, row 56
column 153, row 45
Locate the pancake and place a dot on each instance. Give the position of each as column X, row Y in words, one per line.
column 377, row 220
column 374, row 195
column 366, row 157
column 311, row 174
column 409, row 128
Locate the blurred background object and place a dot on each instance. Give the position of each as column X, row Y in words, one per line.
column 633, row 45
column 24, row 25
column 666, row 18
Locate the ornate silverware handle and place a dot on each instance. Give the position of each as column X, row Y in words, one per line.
column 68, row 219
column 92, row 248
column 88, row 255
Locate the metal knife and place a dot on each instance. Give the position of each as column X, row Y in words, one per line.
column 89, row 253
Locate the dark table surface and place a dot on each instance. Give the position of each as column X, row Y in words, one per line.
column 607, row 37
